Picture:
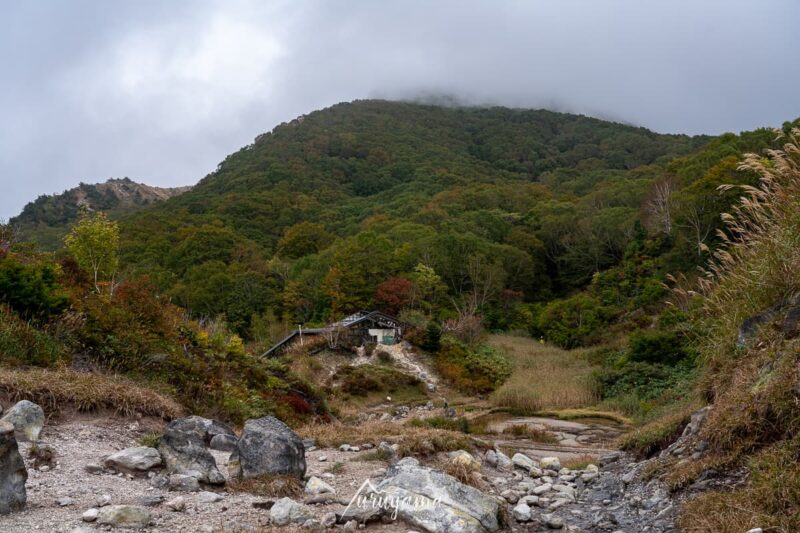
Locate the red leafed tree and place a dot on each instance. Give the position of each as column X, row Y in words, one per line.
column 393, row 294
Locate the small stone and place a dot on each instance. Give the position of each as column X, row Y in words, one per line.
column 206, row 496
column 184, row 483
column 132, row 460
column 177, row 504
column 316, row 486
column 124, row 516
column 90, row 515
column 522, row 513
column 149, row 501
column 523, row 461
column 322, row 458
column 328, row 520
column 541, row 489
column 510, row 496
column 344, row 448
column 355, row 449
column 93, row 468
column 553, row 522
column 550, row 462
column 465, row 459
column 491, row 458
column 103, row 500
column 565, row 489
column 287, row 511
column 65, row 501
column 351, row 525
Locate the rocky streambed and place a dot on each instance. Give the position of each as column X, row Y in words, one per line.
column 98, row 476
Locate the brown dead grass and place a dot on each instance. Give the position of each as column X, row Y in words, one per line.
column 543, row 376
column 579, row 462
column 467, row 474
column 56, row 389
column 531, row 433
column 275, row 486
column 654, row 436
column 412, row 440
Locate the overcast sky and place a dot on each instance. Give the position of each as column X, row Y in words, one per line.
column 162, row 91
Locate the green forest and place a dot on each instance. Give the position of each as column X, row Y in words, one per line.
column 433, row 212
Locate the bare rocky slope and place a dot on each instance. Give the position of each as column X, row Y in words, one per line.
column 46, row 219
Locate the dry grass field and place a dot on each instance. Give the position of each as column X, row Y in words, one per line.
column 544, row 377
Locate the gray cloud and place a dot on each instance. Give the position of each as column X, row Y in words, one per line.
column 162, row 91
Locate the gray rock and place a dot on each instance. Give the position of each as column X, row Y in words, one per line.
column 149, row 501
column 183, row 483
column 103, row 500
column 183, row 451
column 351, row 525
column 267, row 446
column 315, row 485
column 12, row 472
column 90, row 515
column 287, row 511
column 93, row 468
column 541, row 489
column 125, row 516
column 553, row 521
column 458, row 507
column 133, row 460
column 523, row 461
column 65, row 501
column 490, row 458
column 552, row 463
column 389, row 449
column 177, row 504
column 208, row 497
column 511, row 496
column 522, row 513
column 204, row 428
column 328, row 520
column 27, row 419
column 223, row 443
column 503, row 461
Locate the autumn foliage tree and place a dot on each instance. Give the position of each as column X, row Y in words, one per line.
column 394, row 294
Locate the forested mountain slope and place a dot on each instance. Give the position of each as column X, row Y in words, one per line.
column 354, row 195
column 47, row 219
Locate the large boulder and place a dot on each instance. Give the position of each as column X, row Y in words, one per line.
column 267, row 446
column 184, row 452
column 429, row 499
column 12, row 472
column 133, row 460
column 27, row 419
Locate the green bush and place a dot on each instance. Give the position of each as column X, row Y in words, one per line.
column 661, row 347
column 477, row 370
column 574, row 321
column 23, row 344
column 31, row 289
